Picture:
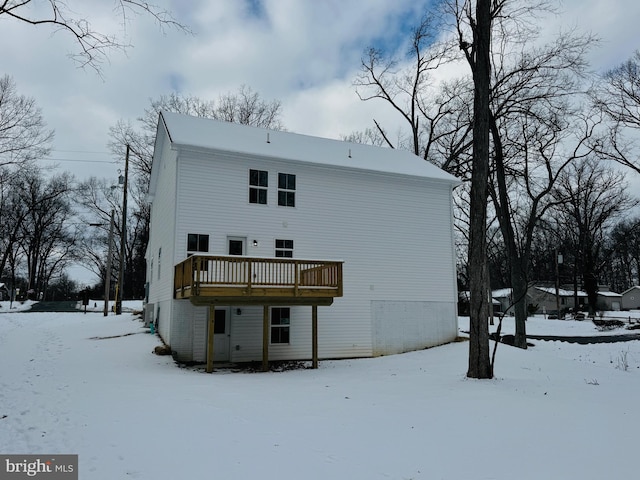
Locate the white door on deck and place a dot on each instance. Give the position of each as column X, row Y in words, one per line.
column 221, row 335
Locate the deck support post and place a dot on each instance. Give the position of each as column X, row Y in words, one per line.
column 265, row 338
column 210, row 333
column 314, row 336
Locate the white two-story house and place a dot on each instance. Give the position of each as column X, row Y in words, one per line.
column 268, row 245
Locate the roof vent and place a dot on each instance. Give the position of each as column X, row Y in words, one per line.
column 268, row 140
column 349, row 153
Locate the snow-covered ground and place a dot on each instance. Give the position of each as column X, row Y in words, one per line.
column 89, row 384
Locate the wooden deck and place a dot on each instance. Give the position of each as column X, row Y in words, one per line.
column 236, row 280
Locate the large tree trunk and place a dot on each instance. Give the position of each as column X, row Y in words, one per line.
column 479, row 362
column 519, row 295
column 590, row 285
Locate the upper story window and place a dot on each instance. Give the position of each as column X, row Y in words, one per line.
column 258, row 183
column 286, row 190
column 197, row 242
column 284, row 248
column 159, row 261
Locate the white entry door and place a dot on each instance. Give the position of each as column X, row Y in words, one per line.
column 221, row 335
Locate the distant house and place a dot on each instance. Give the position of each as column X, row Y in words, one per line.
column 252, row 230
column 505, row 301
column 4, row 292
column 545, row 299
column 610, row 301
column 631, row 298
column 464, row 297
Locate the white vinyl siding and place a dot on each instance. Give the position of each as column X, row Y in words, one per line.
column 393, row 232
column 163, row 227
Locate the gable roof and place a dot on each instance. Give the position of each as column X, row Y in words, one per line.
column 609, row 294
column 561, row 292
column 204, row 133
column 630, row 289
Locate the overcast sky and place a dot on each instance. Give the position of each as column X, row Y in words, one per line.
column 305, row 53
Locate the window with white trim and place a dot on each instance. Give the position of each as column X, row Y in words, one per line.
column 258, row 183
column 286, row 190
column 284, row 248
column 280, row 324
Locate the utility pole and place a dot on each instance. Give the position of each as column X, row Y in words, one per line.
column 107, row 275
column 558, row 262
column 123, row 236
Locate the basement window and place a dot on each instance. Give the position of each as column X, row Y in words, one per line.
column 280, row 324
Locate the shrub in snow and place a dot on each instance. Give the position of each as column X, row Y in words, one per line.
column 607, row 324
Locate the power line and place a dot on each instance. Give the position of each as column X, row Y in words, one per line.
column 78, row 160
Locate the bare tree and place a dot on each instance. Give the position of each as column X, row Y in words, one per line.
column 477, row 54
column 407, row 85
column 533, row 132
column 23, row 133
column 618, row 97
column 96, row 199
column 45, row 239
column 591, row 196
column 622, row 269
column 13, row 211
column 94, row 46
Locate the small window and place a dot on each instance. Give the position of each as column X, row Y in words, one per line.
column 284, row 248
column 258, row 183
column 219, row 326
column 151, row 272
column 159, row 261
column 286, row 190
column 280, row 324
column 197, row 243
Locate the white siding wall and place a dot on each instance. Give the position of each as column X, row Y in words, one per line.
column 405, row 326
column 394, row 234
column 163, row 210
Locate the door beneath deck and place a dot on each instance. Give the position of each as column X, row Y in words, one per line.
column 221, row 336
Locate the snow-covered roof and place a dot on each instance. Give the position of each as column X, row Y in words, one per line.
column 630, row 289
column 561, row 292
column 608, row 294
column 205, row 133
column 501, row 293
column 466, row 295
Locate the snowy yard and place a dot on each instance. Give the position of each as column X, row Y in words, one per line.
column 88, row 384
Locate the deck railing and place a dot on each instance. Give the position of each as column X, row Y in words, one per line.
column 200, row 272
